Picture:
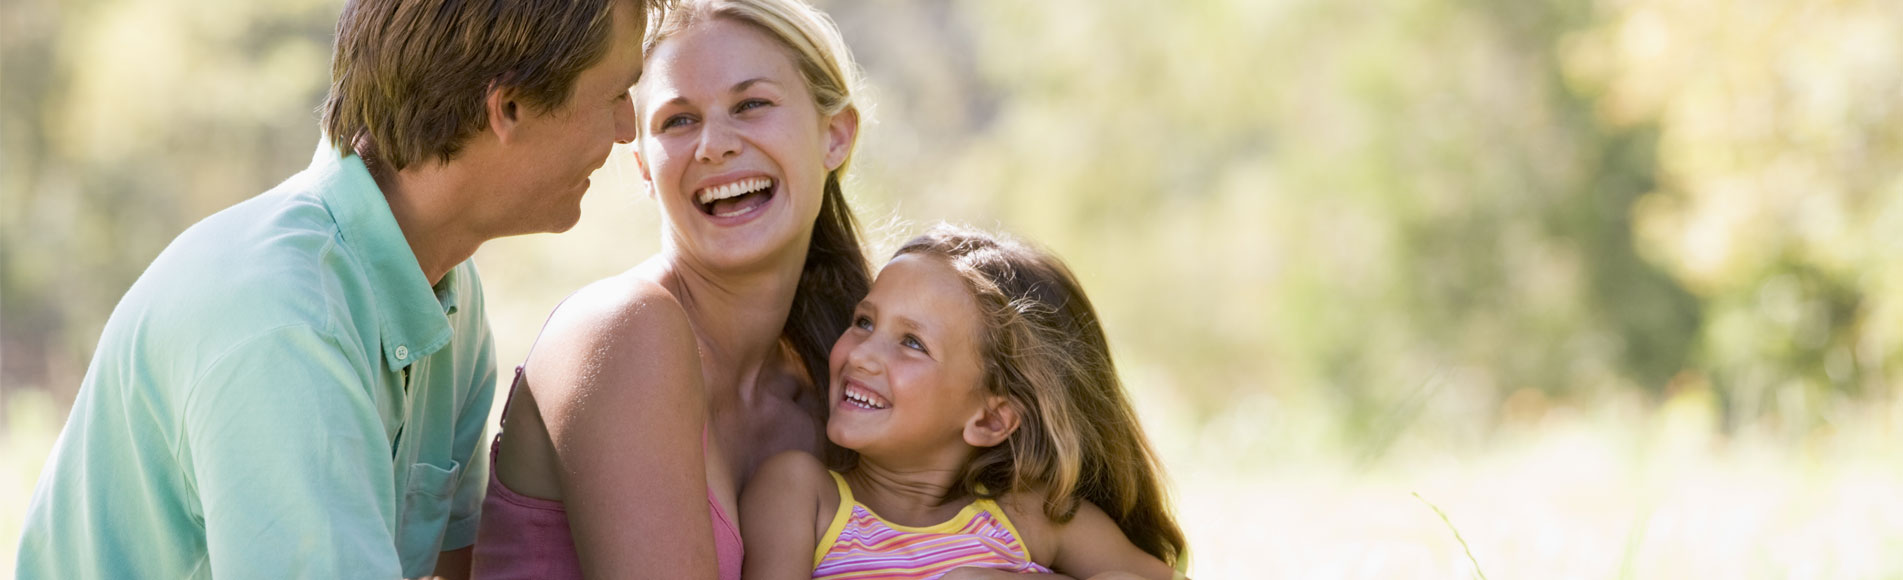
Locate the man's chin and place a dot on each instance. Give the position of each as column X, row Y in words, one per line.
column 565, row 223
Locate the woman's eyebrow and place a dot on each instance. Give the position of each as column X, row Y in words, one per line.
column 743, row 85
column 737, row 87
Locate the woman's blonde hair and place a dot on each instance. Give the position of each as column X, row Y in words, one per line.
column 836, row 275
column 1044, row 350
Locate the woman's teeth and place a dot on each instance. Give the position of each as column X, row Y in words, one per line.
column 735, row 189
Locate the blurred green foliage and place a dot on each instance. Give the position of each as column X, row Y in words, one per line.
column 1383, row 212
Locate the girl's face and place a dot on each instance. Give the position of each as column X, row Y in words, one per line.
column 906, row 375
column 733, row 145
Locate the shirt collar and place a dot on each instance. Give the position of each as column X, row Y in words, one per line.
column 413, row 317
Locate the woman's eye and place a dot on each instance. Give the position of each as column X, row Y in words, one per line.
column 862, row 323
column 750, row 104
column 912, row 342
column 676, row 121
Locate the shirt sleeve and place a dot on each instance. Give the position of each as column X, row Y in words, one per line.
column 291, row 462
column 466, row 508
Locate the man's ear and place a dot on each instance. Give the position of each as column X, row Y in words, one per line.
column 993, row 424
column 504, row 111
column 841, row 129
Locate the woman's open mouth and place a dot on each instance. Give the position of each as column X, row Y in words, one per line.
column 737, row 198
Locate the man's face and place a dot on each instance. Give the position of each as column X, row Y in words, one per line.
column 551, row 154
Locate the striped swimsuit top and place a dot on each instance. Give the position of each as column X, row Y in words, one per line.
column 861, row 545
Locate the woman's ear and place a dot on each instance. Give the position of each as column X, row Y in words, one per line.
column 841, row 130
column 993, row 424
column 647, row 181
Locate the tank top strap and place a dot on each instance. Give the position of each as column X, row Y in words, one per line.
column 997, row 512
column 514, row 384
column 840, row 517
column 495, row 444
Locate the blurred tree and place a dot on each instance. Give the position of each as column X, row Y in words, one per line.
column 1349, row 215
column 1388, row 208
column 126, row 121
column 1780, row 197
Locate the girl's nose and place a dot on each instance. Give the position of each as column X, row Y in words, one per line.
column 864, row 357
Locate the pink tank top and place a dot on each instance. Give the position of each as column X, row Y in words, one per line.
column 860, row 545
column 528, row 537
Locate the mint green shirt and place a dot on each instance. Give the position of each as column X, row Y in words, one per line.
column 281, row 395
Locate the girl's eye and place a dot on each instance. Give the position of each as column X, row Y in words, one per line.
column 912, row 342
column 750, row 104
column 862, row 323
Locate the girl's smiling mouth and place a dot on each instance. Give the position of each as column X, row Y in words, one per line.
column 863, row 398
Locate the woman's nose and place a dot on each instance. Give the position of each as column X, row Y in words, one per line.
column 718, row 142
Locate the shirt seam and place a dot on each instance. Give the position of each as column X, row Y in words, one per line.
column 327, row 332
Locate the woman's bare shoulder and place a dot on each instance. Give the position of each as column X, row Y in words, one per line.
column 617, row 328
column 618, row 304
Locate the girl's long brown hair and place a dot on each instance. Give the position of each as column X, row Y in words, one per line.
column 1044, row 350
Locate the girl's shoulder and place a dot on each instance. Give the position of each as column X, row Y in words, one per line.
column 793, row 468
column 794, row 481
column 1039, row 534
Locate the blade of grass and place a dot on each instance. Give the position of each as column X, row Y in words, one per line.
column 1457, row 538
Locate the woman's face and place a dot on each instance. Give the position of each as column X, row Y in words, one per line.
column 733, row 145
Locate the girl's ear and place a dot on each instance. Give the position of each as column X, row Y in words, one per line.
column 993, row 424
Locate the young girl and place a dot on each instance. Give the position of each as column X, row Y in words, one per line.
column 991, row 433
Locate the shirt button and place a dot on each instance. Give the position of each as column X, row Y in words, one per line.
column 402, row 352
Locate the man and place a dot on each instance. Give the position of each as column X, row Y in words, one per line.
column 297, row 386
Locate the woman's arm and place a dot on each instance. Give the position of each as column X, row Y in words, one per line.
column 617, row 379
column 1092, row 546
column 781, row 515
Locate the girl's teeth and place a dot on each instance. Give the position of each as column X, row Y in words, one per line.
column 862, row 401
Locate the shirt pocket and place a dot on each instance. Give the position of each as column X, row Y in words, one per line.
column 426, row 507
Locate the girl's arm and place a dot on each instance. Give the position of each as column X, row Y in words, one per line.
column 617, row 382
column 780, row 516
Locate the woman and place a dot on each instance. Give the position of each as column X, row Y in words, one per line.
column 651, row 396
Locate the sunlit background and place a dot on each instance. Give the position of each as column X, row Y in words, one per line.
column 1617, row 286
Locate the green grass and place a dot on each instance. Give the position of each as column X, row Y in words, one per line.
column 1450, row 527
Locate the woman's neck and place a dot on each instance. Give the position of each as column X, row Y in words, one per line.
column 738, row 317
